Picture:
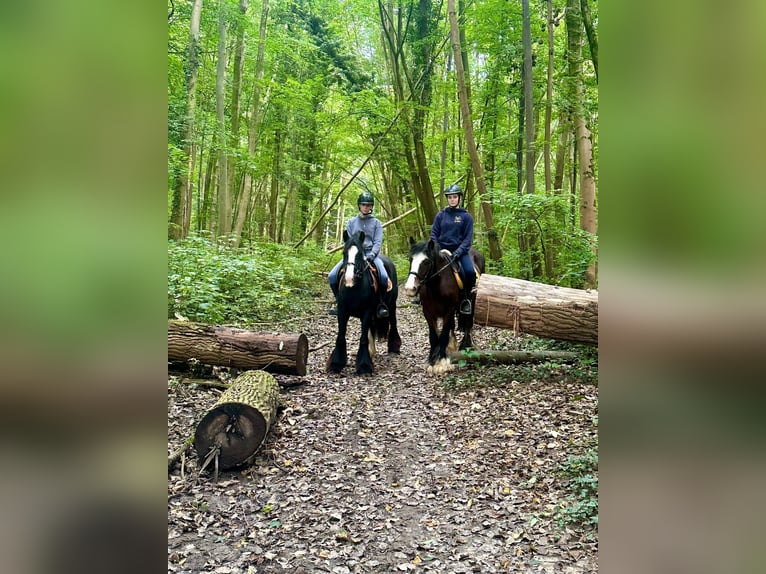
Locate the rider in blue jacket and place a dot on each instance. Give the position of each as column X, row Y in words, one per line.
column 373, row 241
column 453, row 230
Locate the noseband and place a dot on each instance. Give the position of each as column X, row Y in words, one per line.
column 429, row 276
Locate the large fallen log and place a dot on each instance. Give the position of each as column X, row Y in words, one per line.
column 284, row 353
column 231, row 432
column 537, row 309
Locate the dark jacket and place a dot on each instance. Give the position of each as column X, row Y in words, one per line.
column 453, row 230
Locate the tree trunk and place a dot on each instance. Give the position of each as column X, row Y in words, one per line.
column 224, row 199
column 582, row 134
column 587, row 191
column 252, row 131
column 180, row 217
column 236, row 98
column 230, row 347
column 235, row 428
column 590, row 32
column 549, row 99
column 529, row 136
column 537, row 309
column 465, row 111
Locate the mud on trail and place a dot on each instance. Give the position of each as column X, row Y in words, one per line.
column 394, row 472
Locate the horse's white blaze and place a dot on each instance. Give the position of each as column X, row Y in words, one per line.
column 349, row 277
column 411, row 285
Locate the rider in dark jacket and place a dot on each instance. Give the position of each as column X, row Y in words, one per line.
column 453, row 230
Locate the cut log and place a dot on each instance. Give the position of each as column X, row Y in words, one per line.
column 234, row 429
column 537, row 309
column 512, row 357
column 284, row 353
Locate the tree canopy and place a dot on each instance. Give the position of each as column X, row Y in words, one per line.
column 281, row 111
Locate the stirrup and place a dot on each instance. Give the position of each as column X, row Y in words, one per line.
column 382, row 311
column 465, row 307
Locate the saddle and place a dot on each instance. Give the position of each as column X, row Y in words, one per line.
column 457, row 269
column 375, row 281
column 374, row 274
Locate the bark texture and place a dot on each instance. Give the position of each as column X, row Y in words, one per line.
column 239, row 422
column 284, row 353
column 537, row 309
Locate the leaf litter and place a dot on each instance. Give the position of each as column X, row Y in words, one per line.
column 395, row 472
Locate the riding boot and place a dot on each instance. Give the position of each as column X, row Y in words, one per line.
column 465, row 305
column 334, row 310
column 382, row 310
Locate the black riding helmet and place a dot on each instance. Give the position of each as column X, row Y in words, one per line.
column 453, row 189
column 365, row 197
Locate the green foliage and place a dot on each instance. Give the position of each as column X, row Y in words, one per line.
column 555, row 234
column 215, row 284
column 583, row 370
column 581, row 505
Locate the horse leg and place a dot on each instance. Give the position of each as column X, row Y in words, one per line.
column 363, row 359
column 339, row 356
column 467, row 326
column 443, row 364
column 433, row 339
column 394, row 340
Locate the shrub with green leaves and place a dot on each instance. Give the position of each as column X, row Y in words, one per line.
column 581, row 505
column 216, row 284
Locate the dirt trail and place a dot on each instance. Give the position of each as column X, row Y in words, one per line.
column 390, row 473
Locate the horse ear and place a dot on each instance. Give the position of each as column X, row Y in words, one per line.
column 431, row 246
column 412, row 241
column 345, row 236
column 361, row 236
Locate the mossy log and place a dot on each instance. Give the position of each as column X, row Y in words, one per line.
column 284, row 353
column 236, row 426
column 512, row 357
column 537, row 309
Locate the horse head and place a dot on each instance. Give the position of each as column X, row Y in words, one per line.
column 424, row 256
column 353, row 257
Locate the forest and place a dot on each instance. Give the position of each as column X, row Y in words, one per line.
column 282, row 111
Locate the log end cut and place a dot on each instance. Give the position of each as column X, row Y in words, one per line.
column 237, row 429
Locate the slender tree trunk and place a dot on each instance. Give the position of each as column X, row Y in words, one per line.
column 253, row 127
column 590, row 31
column 495, row 251
column 549, row 98
column 180, row 217
column 224, row 200
column 445, row 129
column 561, row 157
column 582, row 134
column 274, row 194
column 529, row 134
column 529, row 114
column 236, row 97
column 205, row 215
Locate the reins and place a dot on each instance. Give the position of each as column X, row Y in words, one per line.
column 430, row 276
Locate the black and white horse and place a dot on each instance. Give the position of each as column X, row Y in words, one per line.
column 357, row 298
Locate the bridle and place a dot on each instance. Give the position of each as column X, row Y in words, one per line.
column 358, row 269
column 429, row 276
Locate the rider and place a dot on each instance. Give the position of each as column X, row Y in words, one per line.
column 453, row 230
column 373, row 240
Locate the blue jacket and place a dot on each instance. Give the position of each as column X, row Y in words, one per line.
column 453, row 230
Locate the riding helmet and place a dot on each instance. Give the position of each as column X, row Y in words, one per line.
column 453, row 189
column 365, row 197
